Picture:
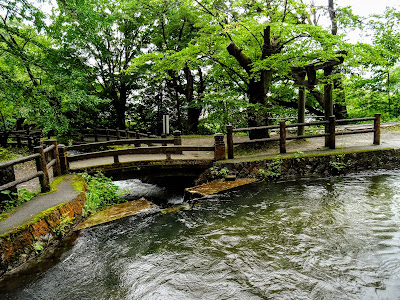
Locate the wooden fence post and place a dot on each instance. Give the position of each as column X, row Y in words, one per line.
column 118, row 133
column 127, row 133
column 229, row 140
column 55, row 155
column 62, row 154
column 41, row 165
column 4, row 137
column 96, row 138
column 18, row 138
column 164, row 136
column 282, row 135
column 82, row 135
column 137, row 134
column 219, row 152
column 107, row 134
column 116, row 159
column 177, row 138
column 332, row 133
column 377, row 129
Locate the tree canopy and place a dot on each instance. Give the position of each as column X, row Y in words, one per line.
column 204, row 63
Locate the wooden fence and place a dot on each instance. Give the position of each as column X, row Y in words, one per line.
column 45, row 158
column 329, row 134
column 109, row 134
column 20, row 138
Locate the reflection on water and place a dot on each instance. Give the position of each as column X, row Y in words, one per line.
column 330, row 239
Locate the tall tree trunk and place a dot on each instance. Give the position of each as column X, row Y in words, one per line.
column 193, row 113
column 257, row 89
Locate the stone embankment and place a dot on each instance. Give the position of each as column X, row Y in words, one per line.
column 42, row 231
column 311, row 165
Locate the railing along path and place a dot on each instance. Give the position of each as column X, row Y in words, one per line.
column 45, row 158
column 329, row 134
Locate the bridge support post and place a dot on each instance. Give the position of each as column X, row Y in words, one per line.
column 219, row 153
column 229, row 140
column 62, row 154
column 377, row 129
column 282, row 135
column 41, row 165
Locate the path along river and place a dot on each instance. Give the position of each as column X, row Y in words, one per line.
column 328, row 239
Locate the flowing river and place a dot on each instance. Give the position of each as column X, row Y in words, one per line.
column 337, row 238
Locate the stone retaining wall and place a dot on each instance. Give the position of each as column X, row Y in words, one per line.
column 26, row 242
column 299, row 165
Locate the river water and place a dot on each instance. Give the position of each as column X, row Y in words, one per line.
column 327, row 239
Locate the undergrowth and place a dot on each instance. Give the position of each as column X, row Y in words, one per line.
column 101, row 192
column 15, row 199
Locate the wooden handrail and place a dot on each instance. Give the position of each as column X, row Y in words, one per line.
column 18, row 161
column 120, row 142
column 329, row 133
column 149, row 150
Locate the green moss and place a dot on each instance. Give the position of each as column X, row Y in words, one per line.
column 291, row 156
column 4, row 216
column 79, row 183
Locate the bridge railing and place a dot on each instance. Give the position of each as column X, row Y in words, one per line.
column 176, row 148
column 45, row 157
column 329, row 134
column 20, row 138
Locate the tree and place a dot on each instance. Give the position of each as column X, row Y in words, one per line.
column 102, row 39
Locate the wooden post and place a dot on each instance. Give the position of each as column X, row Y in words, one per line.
column 328, row 102
column 55, row 155
column 219, row 152
column 82, row 135
column 137, row 135
column 177, row 138
column 118, row 133
column 282, row 135
column 127, row 133
column 18, row 138
column 41, row 166
column 4, row 137
column 301, row 110
column 116, row 159
column 107, row 134
column 62, row 154
column 164, row 136
column 96, row 138
column 229, row 141
column 332, row 134
column 377, row 129
column 29, row 139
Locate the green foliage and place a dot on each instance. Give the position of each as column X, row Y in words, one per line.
column 274, row 169
column 297, row 156
column 6, row 155
column 38, row 246
column 339, row 164
column 15, row 199
column 101, row 192
column 217, row 172
column 61, row 227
